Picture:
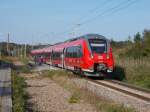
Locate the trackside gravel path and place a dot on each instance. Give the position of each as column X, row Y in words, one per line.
column 48, row 96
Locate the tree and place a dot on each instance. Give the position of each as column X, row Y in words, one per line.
column 137, row 37
column 129, row 39
column 146, row 41
column 146, row 37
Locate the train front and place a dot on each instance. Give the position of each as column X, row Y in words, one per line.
column 100, row 54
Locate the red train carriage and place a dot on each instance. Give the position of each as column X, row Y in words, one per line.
column 40, row 55
column 90, row 54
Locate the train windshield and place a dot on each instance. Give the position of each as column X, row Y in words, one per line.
column 97, row 45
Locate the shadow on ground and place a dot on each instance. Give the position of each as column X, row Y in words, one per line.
column 119, row 73
column 5, row 91
column 29, row 107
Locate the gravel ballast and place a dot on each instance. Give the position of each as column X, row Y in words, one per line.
column 110, row 94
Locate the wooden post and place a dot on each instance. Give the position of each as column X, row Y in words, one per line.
column 8, row 44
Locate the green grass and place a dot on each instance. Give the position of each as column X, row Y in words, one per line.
column 104, row 106
column 78, row 93
column 24, row 69
column 56, row 73
column 75, row 98
column 19, row 95
column 25, row 60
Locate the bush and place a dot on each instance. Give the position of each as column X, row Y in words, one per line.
column 136, row 71
column 53, row 73
column 25, row 69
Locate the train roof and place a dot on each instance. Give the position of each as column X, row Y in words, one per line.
column 87, row 36
column 49, row 48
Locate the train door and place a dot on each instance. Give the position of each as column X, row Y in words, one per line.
column 52, row 55
column 63, row 58
column 50, row 58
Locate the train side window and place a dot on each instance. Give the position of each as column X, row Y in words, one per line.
column 69, row 52
column 73, row 52
column 76, row 52
column 66, row 53
column 80, row 54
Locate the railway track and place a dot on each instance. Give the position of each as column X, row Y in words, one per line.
column 128, row 89
column 140, row 93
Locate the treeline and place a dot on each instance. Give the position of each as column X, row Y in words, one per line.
column 14, row 49
column 139, row 47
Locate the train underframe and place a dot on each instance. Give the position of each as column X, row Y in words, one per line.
column 99, row 70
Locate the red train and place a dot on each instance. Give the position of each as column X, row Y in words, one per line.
column 90, row 54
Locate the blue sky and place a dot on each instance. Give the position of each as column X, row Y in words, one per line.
column 48, row 21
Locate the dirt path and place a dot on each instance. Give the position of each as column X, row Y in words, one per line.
column 48, row 96
column 5, row 90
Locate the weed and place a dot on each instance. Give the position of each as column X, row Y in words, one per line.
column 55, row 73
column 25, row 69
column 75, row 98
column 19, row 95
column 25, row 60
column 112, row 107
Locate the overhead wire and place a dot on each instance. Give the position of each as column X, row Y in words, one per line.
column 118, row 7
column 86, row 15
column 122, row 8
column 122, row 5
column 114, row 9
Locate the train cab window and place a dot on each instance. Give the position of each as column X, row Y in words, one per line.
column 98, row 45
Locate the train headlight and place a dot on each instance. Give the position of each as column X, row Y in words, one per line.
column 92, row 56
column 107, row 56
column 109, row 71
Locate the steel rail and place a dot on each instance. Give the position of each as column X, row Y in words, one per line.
column 139, row 96
column 130, row 86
